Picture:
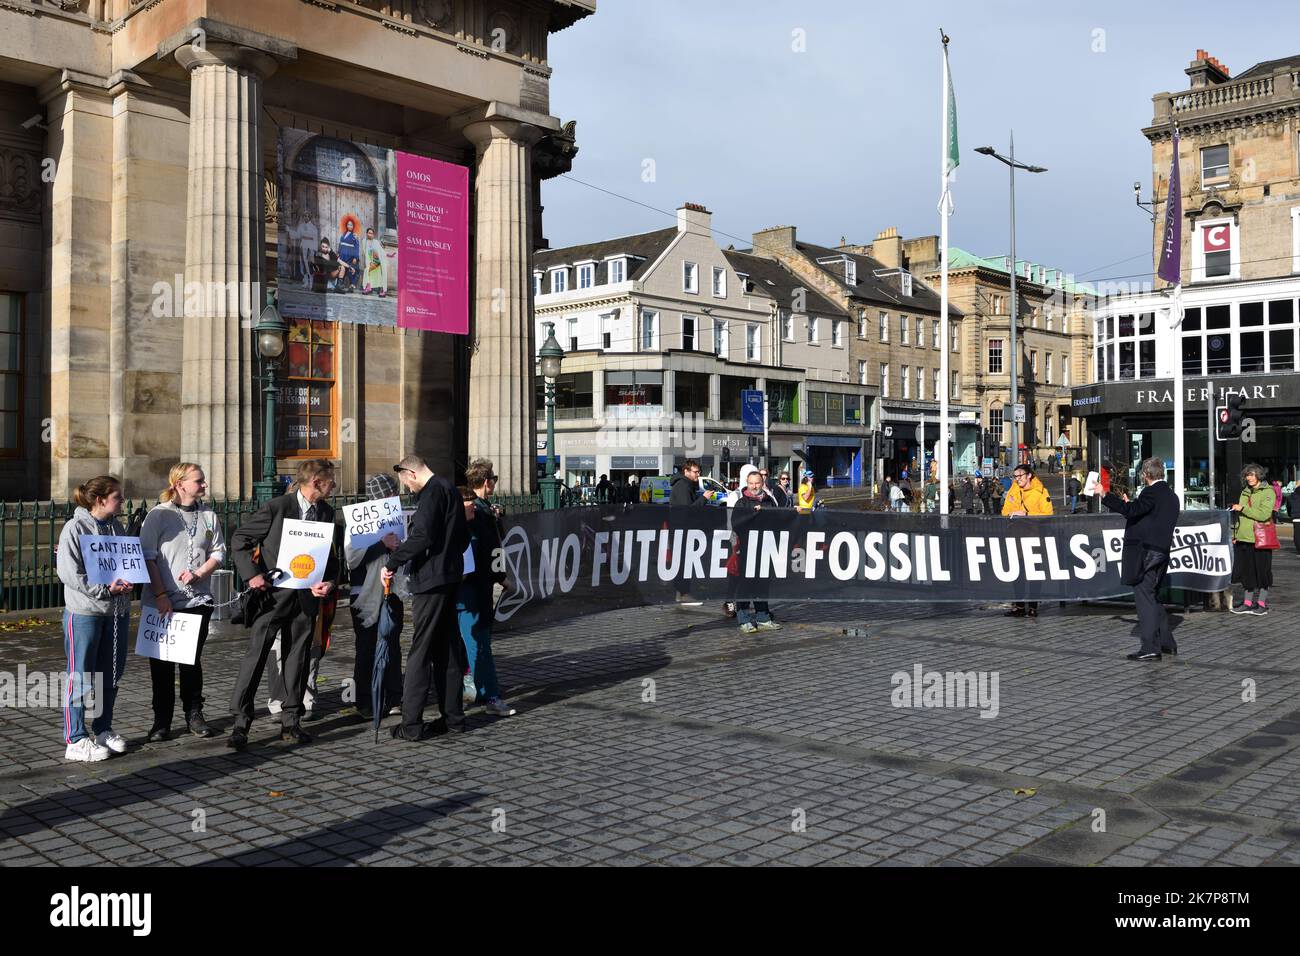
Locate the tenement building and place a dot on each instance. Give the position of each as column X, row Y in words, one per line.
column 1241, row 280
column 665, row 331
column 166, row 163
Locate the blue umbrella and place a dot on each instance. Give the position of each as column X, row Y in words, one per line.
column 390, row 623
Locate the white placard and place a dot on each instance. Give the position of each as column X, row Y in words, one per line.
column 469, row 560
column 109, row 558
column 168, row 637
column 1092, row 485
column 304, row 549
column 369, row 521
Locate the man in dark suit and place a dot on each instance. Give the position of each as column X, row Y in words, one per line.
column 435, row 546
column 292, row 615
column 1148, row 535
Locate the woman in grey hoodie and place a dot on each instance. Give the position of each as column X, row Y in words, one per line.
column 96, row 623
column 182, row 544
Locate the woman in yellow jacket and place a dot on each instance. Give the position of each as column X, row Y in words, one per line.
column 1026, row 497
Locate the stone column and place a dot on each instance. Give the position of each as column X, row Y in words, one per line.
column 225, row 255
column 502, row 426
column 80, row 230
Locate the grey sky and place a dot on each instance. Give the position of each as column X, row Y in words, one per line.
column 843, row 139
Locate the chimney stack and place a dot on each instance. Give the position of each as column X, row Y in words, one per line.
column 888, row 248
column 692, row 217
column 1206, row 70
column 774, row 239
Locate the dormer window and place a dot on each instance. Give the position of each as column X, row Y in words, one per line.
column 586, row 275
column 559, row 280
column 850, row 271
column 905, row 278
column 617, row 270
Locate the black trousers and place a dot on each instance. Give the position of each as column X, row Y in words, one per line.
column 363, row 668
column 1153, row 621
column 162, row 675
column 294, row 627
column 435, row 646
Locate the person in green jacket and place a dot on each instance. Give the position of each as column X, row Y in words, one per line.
column 1253, row 566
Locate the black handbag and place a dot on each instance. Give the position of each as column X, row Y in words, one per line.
column 255, row 602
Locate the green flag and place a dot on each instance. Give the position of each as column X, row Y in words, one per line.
column 953, row 158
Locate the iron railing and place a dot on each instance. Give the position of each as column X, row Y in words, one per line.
column 29, row 536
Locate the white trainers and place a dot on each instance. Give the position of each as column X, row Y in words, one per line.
column 468, row 692
column 114, row 742
column 768, row 626
column 499, row 708
column 749, row 628
column 86, row 749
column 273, row 706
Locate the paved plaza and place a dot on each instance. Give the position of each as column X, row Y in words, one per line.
column 664, row 735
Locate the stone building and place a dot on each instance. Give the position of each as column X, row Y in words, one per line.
column 137, row 156
column 1240, row 261
column 662, row 333
column 893, row 338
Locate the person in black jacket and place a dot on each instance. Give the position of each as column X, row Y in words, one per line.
column 684, row 492
column 474, row 604
column 1148, row 535
column 435, row 547
column 986, row 495
column 292, row 615
column 1293, row 508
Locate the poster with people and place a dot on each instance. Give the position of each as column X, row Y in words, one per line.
column 370, row 235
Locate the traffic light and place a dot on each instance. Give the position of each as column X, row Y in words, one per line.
column 1231, row 416
column 1062, row 419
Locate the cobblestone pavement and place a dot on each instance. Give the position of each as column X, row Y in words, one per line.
column 782, row 747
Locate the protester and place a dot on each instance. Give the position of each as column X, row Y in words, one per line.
column 785, row 493
column 684, row 492
column 367, row 600
column 96, row 621
column 604, row 490
column 1148, row 535
column 474, row 604
column 1293, row 508
column 1027, row 498
column 182, row 544
column 1255, row 540
column 436, row 548
column 896, row 500
column 986, row 495
column 807, row 498
column 752, row 498
column 293, row 612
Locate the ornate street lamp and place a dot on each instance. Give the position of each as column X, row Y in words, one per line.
column 270, row 331
column 551, row 355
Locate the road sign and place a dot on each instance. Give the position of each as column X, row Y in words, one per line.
column 1063, row 442
column 889, row 431
column 1018, row 413
column 751, row 411
column 1221, row 419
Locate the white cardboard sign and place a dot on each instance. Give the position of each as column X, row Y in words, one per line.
column 168, row 637
column 369, row 521
column 109, row 558
column 304, row 550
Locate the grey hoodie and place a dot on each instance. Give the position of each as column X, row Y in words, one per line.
column 78, row 596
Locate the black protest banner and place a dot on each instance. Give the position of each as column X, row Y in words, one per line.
column 583, row 560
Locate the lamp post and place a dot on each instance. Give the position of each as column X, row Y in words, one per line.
column 551, row 354
column 270, row 331
column 1012, row 166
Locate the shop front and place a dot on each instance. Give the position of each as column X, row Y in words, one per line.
column 1131, row 421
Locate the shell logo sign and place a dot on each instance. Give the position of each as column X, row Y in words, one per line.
column 302, row 566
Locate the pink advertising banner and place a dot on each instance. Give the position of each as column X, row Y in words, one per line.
column 433, row 239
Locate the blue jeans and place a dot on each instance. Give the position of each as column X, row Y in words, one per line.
column 88, row 644
column 474, row 613
column 755, row 612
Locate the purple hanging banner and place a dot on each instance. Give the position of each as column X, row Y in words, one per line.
column 1171, row 246
column 433, row 232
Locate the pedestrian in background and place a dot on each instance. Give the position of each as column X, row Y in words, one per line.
column 807, row 498
column 1254, row 541
column 96, row 620
column 753, row 615
column 1293, row 507
column 182, row 544
column 1149, row 522
column 1073, row 485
